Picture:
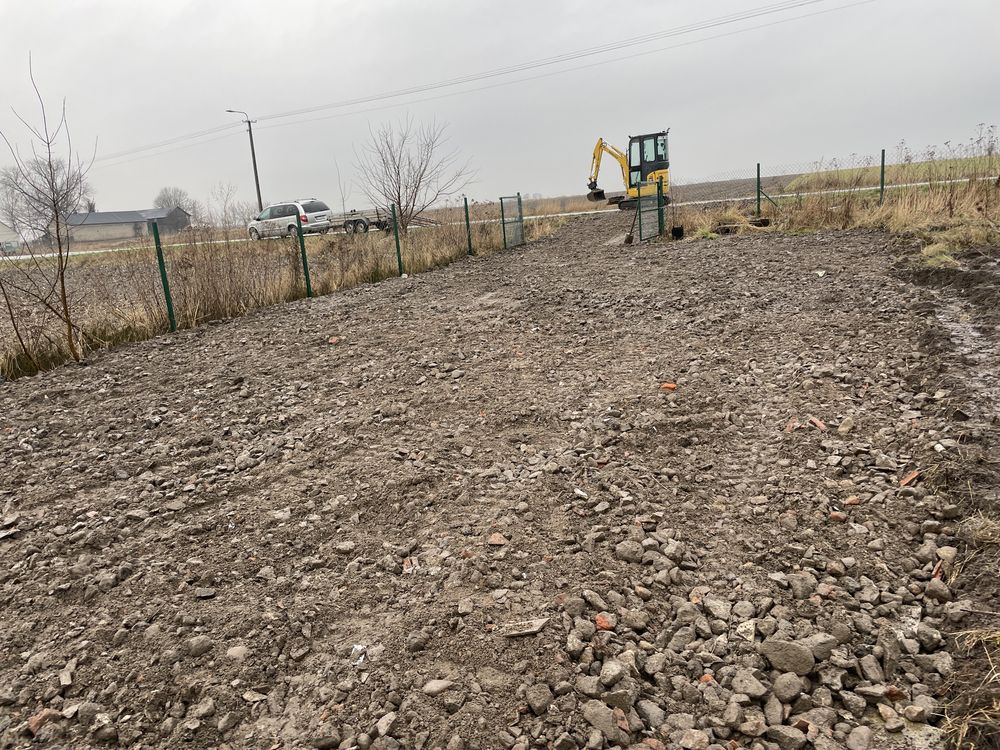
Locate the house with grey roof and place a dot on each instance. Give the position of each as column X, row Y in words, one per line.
column 125, row 225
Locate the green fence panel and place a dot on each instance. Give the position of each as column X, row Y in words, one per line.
column 512, row 220
column 649, row 206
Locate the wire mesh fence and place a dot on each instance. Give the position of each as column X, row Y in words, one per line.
column 512, row 220
column 650, row 211
column 117, row 293
column 139, row 288
column 891, row 188
column 886, row 170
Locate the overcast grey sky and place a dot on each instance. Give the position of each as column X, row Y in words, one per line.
column 135, row 73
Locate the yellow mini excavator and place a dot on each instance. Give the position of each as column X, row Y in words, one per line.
column 646, row 163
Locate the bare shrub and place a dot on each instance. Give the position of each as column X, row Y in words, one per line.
column 171, row 197
column 410, row 166
column 37, row 194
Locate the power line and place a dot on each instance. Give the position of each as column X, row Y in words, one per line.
column 503, row 83
column 171, row 141
column 120, row 161
column 565, row 70
column 543, row 62
column 565, row 57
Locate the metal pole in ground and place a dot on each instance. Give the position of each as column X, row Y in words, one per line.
column 468, row 226
column 395, row 230
column 520, row 219
column 253, row 158
column 163, row 277
column 659, row 205
column 758, row 188
column 253, row 154
column 503, row 224
column 302, row 249
column 881, row 180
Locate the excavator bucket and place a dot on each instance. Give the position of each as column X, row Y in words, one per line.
column 596, row 195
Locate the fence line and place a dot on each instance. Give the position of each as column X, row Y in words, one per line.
column 282, row 271
column 569, row 214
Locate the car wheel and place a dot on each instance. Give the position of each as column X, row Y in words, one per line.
column 290, row 231
column 348, row 227
column 361, row 225
column 254, row 235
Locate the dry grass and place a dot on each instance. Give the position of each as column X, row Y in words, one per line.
column 981, row 530
column 937, row 170
column 972, row 719
column 701, row 222
column 973, row 159
column 945, row 218
column 561, row 204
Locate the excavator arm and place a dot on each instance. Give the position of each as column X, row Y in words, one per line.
column 602, row 147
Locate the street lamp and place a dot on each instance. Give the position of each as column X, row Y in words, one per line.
column 253, row 154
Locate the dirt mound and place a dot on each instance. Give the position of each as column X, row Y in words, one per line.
column 570, row 496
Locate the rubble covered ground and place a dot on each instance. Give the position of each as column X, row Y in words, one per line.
column 579, row 494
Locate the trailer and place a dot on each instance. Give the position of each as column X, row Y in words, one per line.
column 380, row 219
column 359, row 222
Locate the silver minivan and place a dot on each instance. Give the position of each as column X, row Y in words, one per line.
column 278, row 219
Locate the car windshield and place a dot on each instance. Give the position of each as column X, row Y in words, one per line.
column 311, row 207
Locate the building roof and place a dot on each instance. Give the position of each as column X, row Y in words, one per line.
column 121, row 217
column 161, row 213
column 106, row 217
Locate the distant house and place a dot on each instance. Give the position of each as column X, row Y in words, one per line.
column 125, row 225
column 9, row 239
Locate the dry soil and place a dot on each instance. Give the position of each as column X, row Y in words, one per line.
column 691, row 495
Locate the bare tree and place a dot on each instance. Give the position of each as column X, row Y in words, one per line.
column 410, row 166
column 225, row 210
column 37, row 195
column 171, row 197
column 345, row 190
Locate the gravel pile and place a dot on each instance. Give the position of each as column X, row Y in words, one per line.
column 575, row 496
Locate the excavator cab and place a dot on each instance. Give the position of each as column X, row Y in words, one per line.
column 647, row 154
column 646, row 160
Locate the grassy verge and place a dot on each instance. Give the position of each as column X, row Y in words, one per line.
column 945, row 218
column 931, row 170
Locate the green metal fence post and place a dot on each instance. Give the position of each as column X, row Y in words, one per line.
column 659, row 205
column 163, row 278
column 468, row 226
column 758, row 188
column 503, row 224
column 302, row 249
column 395, row 230
column 881, row 180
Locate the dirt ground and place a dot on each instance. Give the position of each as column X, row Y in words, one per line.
column 687, row 470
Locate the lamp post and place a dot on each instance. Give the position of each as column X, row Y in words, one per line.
column 253, row 154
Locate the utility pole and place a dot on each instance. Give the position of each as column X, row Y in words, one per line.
column 253, row 154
